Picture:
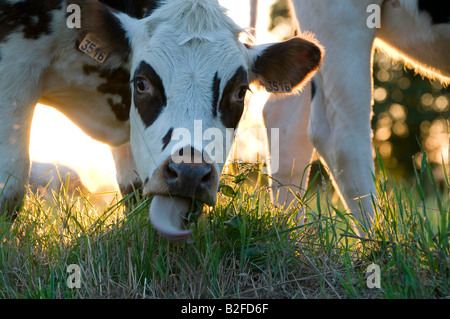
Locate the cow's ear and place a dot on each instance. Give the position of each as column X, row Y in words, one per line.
column 105, row 27
column 285, row 65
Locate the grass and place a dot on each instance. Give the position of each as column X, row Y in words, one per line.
column 245, row 247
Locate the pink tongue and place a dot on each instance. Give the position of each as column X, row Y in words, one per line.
column 166, row 214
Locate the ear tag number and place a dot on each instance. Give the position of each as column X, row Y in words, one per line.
column 278, row 87
column 90, row 46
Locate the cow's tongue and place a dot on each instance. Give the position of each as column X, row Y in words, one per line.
column 166, row 215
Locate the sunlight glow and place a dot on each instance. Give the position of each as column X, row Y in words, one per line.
column 55, row 139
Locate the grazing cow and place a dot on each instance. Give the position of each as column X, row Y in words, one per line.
column 188, row 72
column 338, row 107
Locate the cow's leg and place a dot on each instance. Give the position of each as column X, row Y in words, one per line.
column 16, row 115
column 342, row 136
column 20, row 73
column 15, row 125
column 341, row 110
column 290, row 115
column 126, row 172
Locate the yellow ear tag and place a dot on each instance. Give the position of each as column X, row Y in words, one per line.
column 278, row 87
column 90, row 46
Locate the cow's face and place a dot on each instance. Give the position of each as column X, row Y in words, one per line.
column 189, row 77
column 187, row 90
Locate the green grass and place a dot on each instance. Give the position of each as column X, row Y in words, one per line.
column 245, row 247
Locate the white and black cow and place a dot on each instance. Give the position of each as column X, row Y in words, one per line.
column 187, row 70
column 336, row 113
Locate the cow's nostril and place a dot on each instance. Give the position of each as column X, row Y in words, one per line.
column 171, row 173
column 207, row 177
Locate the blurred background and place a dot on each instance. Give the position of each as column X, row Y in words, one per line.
column 410, row 115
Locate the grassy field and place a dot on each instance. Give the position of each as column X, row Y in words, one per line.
column 245, row 247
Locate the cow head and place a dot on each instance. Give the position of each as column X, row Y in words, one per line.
column 189, row 77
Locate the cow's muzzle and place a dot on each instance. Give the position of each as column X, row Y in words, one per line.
column 181, row 185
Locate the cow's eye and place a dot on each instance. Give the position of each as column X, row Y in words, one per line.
column 241, row 92
column 142, row 85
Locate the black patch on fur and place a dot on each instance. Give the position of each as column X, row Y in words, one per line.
column 438, row 10
column 115, row 35
column 32, row 18
column 167, row 138
column 148, row 105
column 134, row 8
column 313, row 89
column 230, row 110
column 216, row 93
column 291, row 61
column 117, row 83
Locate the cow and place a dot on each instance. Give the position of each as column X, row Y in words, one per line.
column 161, row 75
column 333, row 115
